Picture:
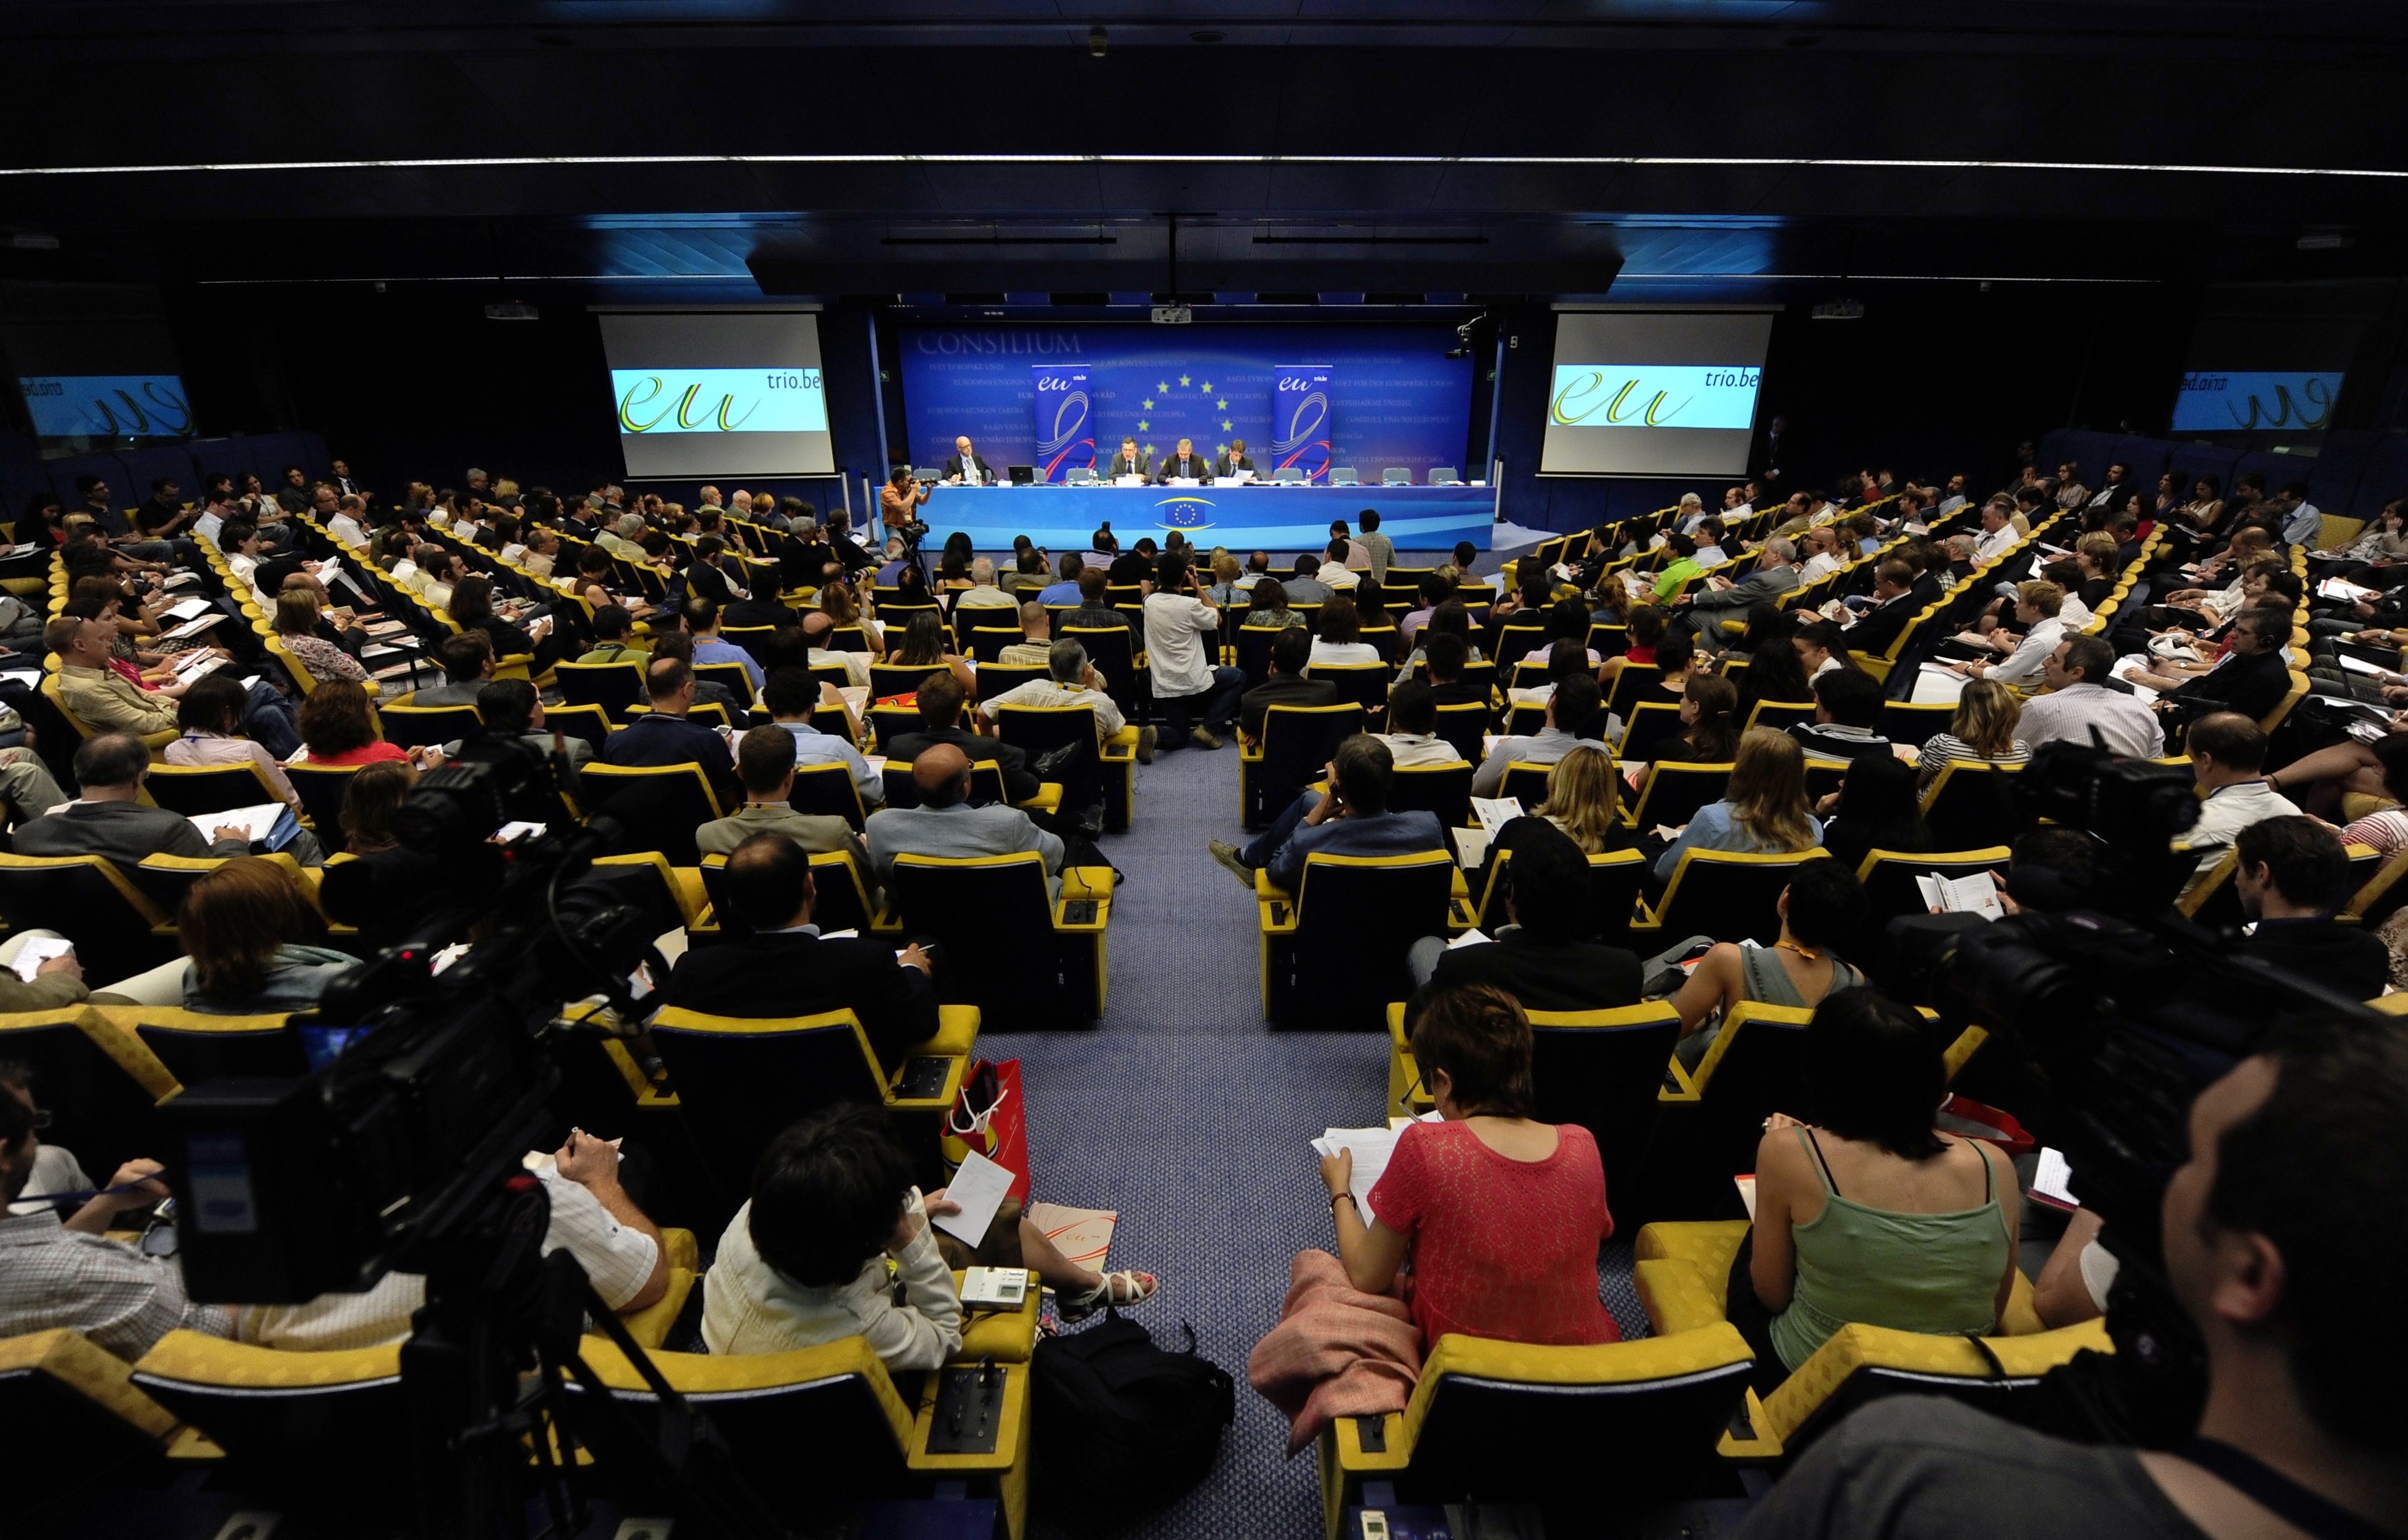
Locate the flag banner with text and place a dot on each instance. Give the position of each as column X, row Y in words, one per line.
column 1066, row 429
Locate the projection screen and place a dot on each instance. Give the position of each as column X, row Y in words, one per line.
column 1654, row 392
column 718, row 393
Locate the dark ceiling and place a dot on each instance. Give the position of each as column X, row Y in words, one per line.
column 1366, row 147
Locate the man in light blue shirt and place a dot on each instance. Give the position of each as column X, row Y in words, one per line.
column 792, row 695
column 702, row 618
column 1573, row 718
column 1066, row 591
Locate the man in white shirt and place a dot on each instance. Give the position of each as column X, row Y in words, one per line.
column 1072, row 682
column 1337, row 572
column 1998, row 530
column 1413, row 736
column 2037, row 604
column 346, row 524
column 2305, row 520
column 984, row 594
column 214, row 514
column 2227, row 760
column 1197, row 696
column 2079, row 701
column 1822, row 556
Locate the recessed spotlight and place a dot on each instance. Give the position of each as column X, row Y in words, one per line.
column 1097, row 41
column 1207, row 35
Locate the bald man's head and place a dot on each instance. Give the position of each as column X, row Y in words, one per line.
column 943, row 776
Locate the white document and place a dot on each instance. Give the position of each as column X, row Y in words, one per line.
column 187, row 608
column 1128, row 480
column 1475, row 936
column 1470, row 845
column 2342, row 588
column 1371, row 1149
column 979, row 1186
column 2127, row 669
column 1934, row 683
column 1494, row 813
column 254, row 821
column 2359, row 665
column 2053, row 1180
column 37, row 951
column 1973, row 894
column 190, row 628
column 856, row 696
column 201, row 663
column 876, row 763
column 30, row 678
column 1746, row 1185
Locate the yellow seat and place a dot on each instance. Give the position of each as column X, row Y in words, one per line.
column 197, row 1045
column 1726, row 894
column 1004, row 944
column 319, row 1422
column 72, row 1407
column 1334, row 951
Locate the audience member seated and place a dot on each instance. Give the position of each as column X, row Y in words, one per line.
column 102, row 698
column 250, row 941
column 785, row 967
column 1583, row 803
column 2227, row 758
column 1847, row 709
column 338, row 729
column 613, row 638
column 1267, row 605
column 1341, row 635
column 1544, row 958
column 513, row 716
column 2079, row 700
column 804, row 1261
column 472, row 609
column 1072, row 681
column 1876, row 808
column 296, row 628
column 2293, row 874
column 793, row 696
column 1412, row 736
column 1864, row 1211
column 1774, row 672
column 1349, row 817
column 1285, row 685
column 945, row 823
column 1823, row 906
column 466, row 660
column 1485, row 1223
column 1764, row 810
column 941, row 698
column 2250, row 679
column 110, row 820
column 664, row 736
column 764, row 761
column 1983, row 731
column 2292, row 1175
column 1036, row 637
column 1574, row 715
column 372, row 799
column 1710, row 726
column 706, row 692
column 1447, row 656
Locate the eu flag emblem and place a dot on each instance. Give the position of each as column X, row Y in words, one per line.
column 1183, row 514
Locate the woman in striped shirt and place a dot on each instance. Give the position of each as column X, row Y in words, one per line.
column 1983, row 732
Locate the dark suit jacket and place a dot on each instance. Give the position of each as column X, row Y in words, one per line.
column 1542, row 975
column 758, row 612
column 799, row 975
column 1132, row 464
column 1221, row 465
column 1198, row 467
column 1881, row 624
column 952, row 468
column 1019, row 782
column 657, row 739
column 2250, row 686
column 2345, row 958
column 124, row 832
column 1455, row 693
column 1281, row 690
column 1128, row 567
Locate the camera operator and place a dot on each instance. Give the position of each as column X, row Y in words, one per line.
column 898, row 508
column 2283, row 1232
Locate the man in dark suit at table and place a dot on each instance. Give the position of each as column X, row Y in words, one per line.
column 786, row 967
column 941, row 722
column 966, row 466
column 1128, row 462
column 1184, row 462
column 1233, row 460
column 1542, row 959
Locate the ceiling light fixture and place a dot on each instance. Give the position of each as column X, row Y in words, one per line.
column 1097, row 41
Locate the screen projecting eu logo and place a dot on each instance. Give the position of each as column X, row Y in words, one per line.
column 1185, row 514
column 1653, row 396
column 770, row 400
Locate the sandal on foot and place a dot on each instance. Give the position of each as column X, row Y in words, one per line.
column 1118, row 1289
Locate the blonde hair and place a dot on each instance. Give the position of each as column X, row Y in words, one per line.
column 1986, row 714
column 1225, row 566
column 1767, row 791
column 2042, row 596
column 1583, row 793
column 2100, row 546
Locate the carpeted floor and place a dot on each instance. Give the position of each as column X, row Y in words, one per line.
column 1185, row 1112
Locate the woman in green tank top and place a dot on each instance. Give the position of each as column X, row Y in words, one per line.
column 1869, row 1214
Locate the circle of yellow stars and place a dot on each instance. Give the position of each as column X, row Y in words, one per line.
column 1162, row 388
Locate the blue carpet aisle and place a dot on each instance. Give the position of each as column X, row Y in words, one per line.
column 1185, row 1112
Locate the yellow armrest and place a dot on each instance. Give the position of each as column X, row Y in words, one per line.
column 1346, row 1434
column 955, row 1069
column 1682, row 1090
column 1006, row 1336
column 1677, row 1294
column 958, row 1031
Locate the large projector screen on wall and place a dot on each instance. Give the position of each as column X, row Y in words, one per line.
column 1654, row 392
column 718, row 393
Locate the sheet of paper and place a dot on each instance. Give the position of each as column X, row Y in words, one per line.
column 1470, row 938
column 1494, row 813
column 2342, row 588
column 1371, row 1149
column 856, row 696
column 187, row 608
column 980, row 1188
column 1973, row 894
column 190, row 628
column 1746, row 1185
column 2359, row 665
column 201, row 663
column 37, row 951
column 1084, row 1235
column 30, row 678
column 876, row 763
column 255, row 821
column 1470, row 845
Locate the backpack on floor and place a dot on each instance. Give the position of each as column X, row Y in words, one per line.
column 1121, row 1422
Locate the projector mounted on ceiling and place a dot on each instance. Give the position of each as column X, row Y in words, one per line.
column 1172, row 315
column 1839, row 310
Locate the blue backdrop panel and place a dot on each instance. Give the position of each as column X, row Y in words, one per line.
column 1066, row 422
column 1277, row 518
column 1395, row 399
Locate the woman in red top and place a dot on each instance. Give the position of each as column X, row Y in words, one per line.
column 1498, row 1215
column 336, row 728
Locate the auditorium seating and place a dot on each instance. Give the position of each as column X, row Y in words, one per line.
column 1614, row 878
column 660, row 806
column 1333, row 952
column 1681, row 1271
column 1296, row 747
column 1039, row 729
column 1003, row 945
column 1725, row 894
column 191, row 789
column 74, row 1414
column 1969, row 805
column 118, row 929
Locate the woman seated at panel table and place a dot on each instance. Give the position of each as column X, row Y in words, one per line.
column 1864, row 1210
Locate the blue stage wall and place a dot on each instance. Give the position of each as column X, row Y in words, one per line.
column 1394, row 397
